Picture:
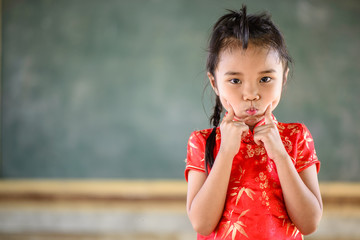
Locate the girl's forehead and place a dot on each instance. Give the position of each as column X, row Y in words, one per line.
column 252, row 51
column 254, row 55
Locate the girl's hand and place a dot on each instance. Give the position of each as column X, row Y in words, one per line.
column 231, row 132
column 268, row 136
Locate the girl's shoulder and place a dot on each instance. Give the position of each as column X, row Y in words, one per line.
column 293, row 129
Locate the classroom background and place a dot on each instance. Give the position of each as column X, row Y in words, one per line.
column 98, row 100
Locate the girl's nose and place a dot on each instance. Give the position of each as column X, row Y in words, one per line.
column 250, row 93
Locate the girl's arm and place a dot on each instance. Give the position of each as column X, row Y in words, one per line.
column 206, row 194
column 301, row 190
column 301, row 194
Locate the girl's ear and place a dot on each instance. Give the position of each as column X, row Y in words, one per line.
column 285, row 76
column 213, row 83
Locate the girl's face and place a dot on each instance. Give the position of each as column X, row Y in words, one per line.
column 249, row 81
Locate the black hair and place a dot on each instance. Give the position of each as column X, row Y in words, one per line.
column 238, row 29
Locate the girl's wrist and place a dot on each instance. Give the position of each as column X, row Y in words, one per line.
column 282, row 158
column 226, row 153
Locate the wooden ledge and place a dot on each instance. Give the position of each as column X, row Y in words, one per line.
column 340, row 193
column 92, row 190
column 137, row 191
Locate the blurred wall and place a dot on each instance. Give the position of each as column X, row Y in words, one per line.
column 113, row 89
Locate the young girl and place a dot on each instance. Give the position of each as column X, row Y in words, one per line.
column 253, row 177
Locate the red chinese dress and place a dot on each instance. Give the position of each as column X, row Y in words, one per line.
column 254, row 207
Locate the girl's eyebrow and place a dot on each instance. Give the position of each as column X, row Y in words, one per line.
column 267, row 71
column 232, row 73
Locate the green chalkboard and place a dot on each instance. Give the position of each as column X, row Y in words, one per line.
column 113, row 89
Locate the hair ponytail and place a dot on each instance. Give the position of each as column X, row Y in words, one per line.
column 211, row 140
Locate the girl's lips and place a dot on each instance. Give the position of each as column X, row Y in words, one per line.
column 251, row 111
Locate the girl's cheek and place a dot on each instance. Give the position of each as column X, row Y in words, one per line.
column 274, row 104
column 224, row 102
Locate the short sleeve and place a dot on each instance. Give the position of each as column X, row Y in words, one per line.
column 306, row 154
column 195, row 153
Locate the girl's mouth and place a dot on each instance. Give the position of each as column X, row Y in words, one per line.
column 252, row 111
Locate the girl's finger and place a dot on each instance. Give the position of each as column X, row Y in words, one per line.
column 258, row 142
column 231, row 114
column 268, row 114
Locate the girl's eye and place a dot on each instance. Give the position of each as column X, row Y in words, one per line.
column 235, row 81
column 265, row 79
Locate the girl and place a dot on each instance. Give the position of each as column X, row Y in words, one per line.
column 253, row 177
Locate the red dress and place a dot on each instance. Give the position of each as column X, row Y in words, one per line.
column 255, row 207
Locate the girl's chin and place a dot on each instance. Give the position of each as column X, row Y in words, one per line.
column 249, row 119
column 252, row 121
column 251, row 124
